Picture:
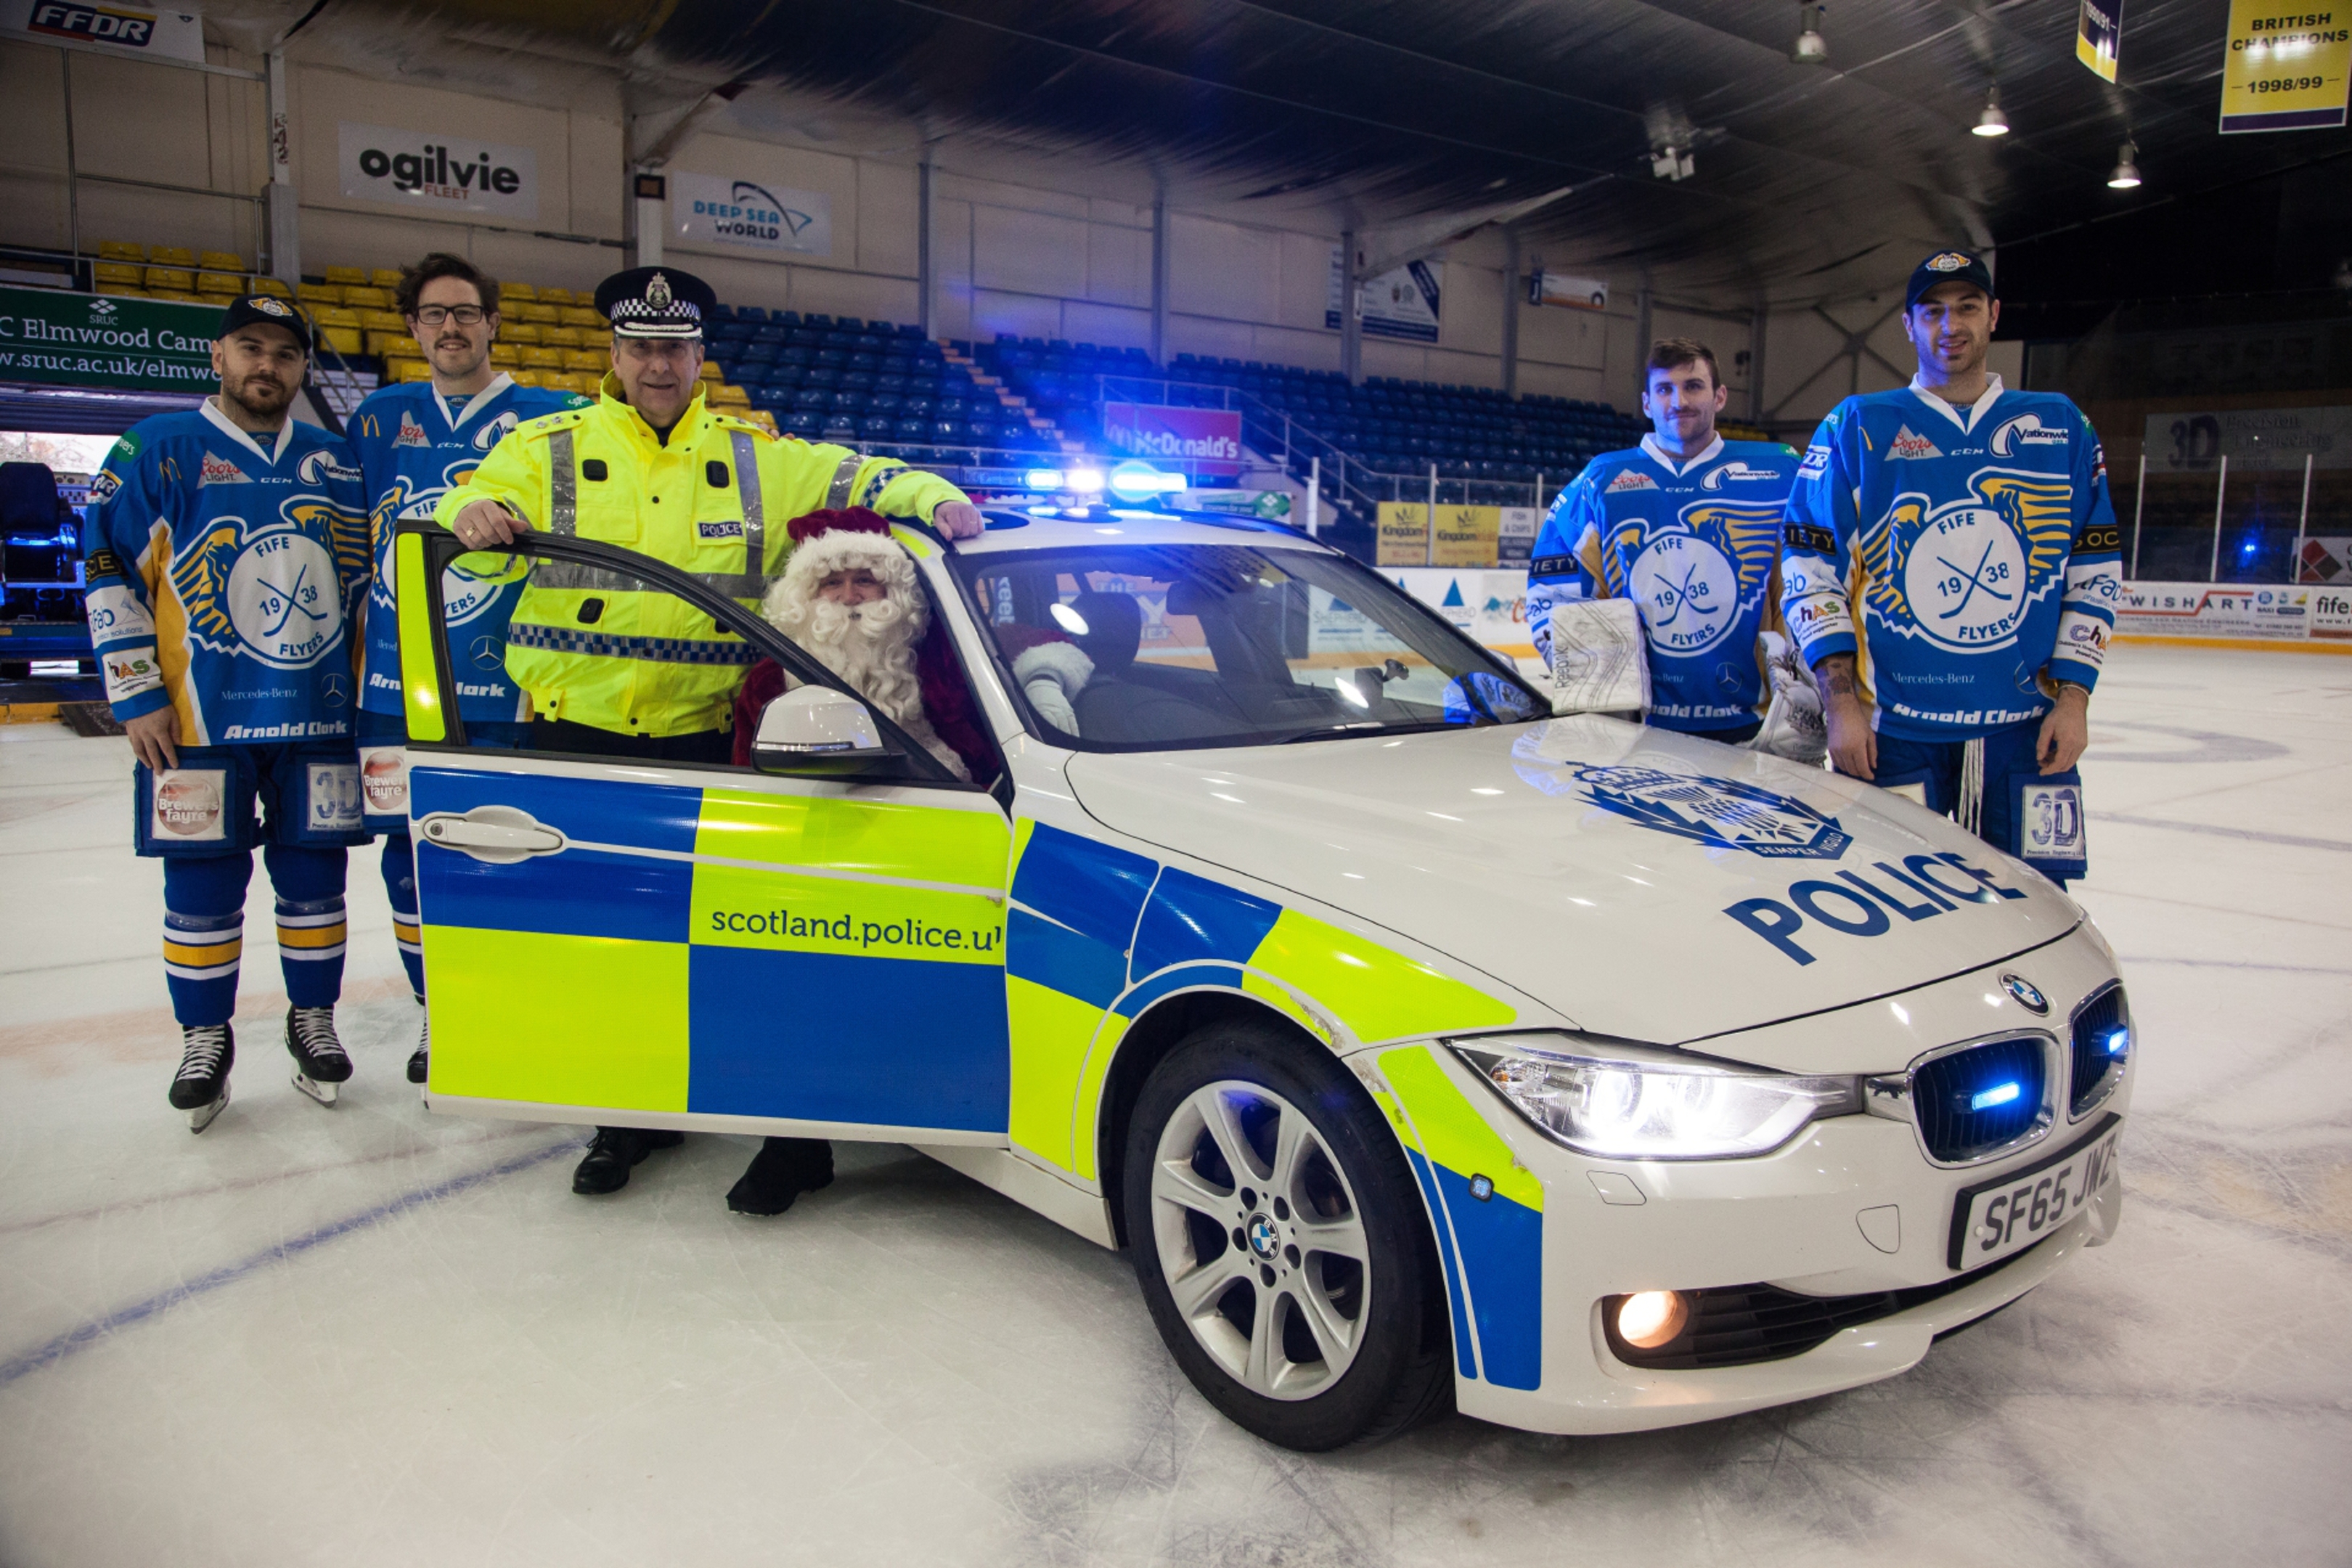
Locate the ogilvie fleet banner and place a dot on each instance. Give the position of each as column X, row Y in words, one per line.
column 1399, row 304
column 1200, row 440
column 437, row 173
column 2098, row 36
column 118, row 29
column 705, row 210
column 2285, row 70
column 56, row 339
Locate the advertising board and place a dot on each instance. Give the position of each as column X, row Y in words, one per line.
column 1399, row 304
column 748, row 215
column 134, row 30
column 1200, row 440
column 436, row 171
column 52, row 338
column 2274, row 611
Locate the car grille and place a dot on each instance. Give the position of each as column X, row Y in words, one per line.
column 2098, row 1059
column 1738, row 1325
column 1975, row 1101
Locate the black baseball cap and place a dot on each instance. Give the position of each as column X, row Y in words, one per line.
column 1948, row 267
column 270, row 311
column 655, row 302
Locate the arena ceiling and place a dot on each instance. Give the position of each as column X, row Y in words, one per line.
column 1810, row 181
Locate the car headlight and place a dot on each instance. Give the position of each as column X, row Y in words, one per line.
column 1625, row 1102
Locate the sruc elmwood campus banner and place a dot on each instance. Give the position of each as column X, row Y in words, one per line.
column 55, row 339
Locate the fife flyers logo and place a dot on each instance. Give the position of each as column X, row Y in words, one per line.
column 1965, row 574
column 274, row 592
column 465, row 595
column 1695, row 576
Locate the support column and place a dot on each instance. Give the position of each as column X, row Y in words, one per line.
column 925, row 266
column 280, row 209
column 1511, row 314
column 649, row 204
column 1351, row 312
column 1159, row 281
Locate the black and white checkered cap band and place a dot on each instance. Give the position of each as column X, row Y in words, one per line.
column 636, row 319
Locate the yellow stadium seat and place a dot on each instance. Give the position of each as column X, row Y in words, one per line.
column 587, row 359
column 555, row 296
column 539, row 358
column 510, row 292
column 173, row 256
column 383, row 277
column 724, row 397
column 219, row 283
column 319, row 293
column 346, row 276
column 220, row 261
column 525, row 376
column 119, row 272
column 559, row 337
column 520, row 333
column 121, row 250
column 177, row 278
column 709, row 371
column 342, row 340
column 407, row 370
column 393, row 345
column 506, row 355
column 545, row 315
column 384, row 322
column 272, row 286
column 336, row 316
column 579, row 316
column 367, row 297
column 763, row 418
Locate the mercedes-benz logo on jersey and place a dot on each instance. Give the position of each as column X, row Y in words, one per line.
column 2025, row 430
column 1721, row 813
column 488, row 436
column 1970, row 571
column 319, row 467
column 335, row 691
column 487, row 653
column 1688, row 592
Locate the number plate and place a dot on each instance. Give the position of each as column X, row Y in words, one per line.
column 1995, row 1219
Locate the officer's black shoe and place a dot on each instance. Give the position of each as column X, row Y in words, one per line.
column 782, row 1170
column 605, row 1167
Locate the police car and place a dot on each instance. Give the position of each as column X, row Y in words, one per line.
column 1419, row 1045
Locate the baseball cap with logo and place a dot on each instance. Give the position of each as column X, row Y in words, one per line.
column 655, row 302
column 1948, row 267
column 269, row 312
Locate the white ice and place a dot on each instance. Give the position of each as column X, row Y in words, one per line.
column 371, row 1335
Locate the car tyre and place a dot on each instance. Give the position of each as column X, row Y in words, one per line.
column 1282, row 1243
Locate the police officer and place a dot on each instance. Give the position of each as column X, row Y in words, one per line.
column 414, row 441
column 1950, row 568
column 615, row 670
column 228, row 554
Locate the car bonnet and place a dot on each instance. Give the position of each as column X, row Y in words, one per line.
column 1647, row 885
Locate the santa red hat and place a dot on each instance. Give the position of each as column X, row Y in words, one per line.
column 824, row 542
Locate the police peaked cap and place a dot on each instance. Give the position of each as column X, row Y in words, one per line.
column 270, row 311
column 655, row 302
column 1948, row 267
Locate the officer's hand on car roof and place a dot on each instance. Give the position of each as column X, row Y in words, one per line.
column 484, row 524
column 956, row 518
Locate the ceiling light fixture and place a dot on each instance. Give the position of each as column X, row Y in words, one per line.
column 2125, row 176
column 1810, row 48
column 1992, row 122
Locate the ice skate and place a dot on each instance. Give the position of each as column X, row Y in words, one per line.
column 320, row 1064
column 417, row 1058
column 200, row 1090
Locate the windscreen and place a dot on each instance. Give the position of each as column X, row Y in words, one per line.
column 1144, row 648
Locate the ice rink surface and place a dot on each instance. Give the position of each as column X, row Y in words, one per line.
column 373, row 1335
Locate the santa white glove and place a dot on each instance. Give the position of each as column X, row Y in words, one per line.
column 1793, row 725
column 1051, row 676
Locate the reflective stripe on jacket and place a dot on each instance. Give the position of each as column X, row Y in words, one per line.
column 597, row 648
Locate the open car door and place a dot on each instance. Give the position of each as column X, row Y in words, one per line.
column 814, row 946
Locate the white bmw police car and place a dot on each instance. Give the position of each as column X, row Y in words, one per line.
column 1419, row 1046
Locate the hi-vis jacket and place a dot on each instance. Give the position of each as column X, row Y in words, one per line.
column 1692, row 543
column 412, row 447
column 599, row 648
column 1977, row 545
column 224, row 574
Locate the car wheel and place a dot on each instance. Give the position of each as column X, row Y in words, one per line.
column 1282, row 1244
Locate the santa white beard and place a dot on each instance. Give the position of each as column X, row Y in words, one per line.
column 872, row 647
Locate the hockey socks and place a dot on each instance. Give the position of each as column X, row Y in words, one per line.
column 400, row 888
column 312, row 925
column 203, row 935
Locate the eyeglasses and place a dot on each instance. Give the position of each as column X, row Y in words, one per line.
column 463, row 315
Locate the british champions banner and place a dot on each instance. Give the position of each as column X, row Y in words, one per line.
column 436, row 173
column 2098, row 36
column 51, row 338
column 2285, row 70
column 748, row 215
column 1199, row 440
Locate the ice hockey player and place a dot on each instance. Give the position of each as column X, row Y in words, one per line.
column 1949, row 568
column 1687, row 525
column 228, row 554
column 415, row 441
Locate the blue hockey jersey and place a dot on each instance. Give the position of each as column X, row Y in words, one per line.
column 1693, row 544
column 225, row 571
column 1976, row 546
column 413, row 449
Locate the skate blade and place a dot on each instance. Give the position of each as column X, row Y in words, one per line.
column 203, row 1116
column 324, row 1094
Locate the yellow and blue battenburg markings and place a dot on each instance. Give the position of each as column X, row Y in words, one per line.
column 721, row 953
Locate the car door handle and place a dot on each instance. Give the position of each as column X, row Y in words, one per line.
column 498, row 834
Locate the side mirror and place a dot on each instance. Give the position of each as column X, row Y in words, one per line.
column 816, row 729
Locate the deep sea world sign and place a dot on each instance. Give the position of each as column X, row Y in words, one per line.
column 706, row 209
column 437, row 171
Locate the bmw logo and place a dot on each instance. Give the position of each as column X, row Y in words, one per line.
column 2022, row 989
column 1262, row 1238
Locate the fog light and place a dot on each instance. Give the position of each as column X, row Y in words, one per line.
column 1648, row 1319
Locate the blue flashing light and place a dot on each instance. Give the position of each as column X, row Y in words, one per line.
column 1134, row 481
column 2119, row 1042
column 1999, row 1094
column 1044, row 478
